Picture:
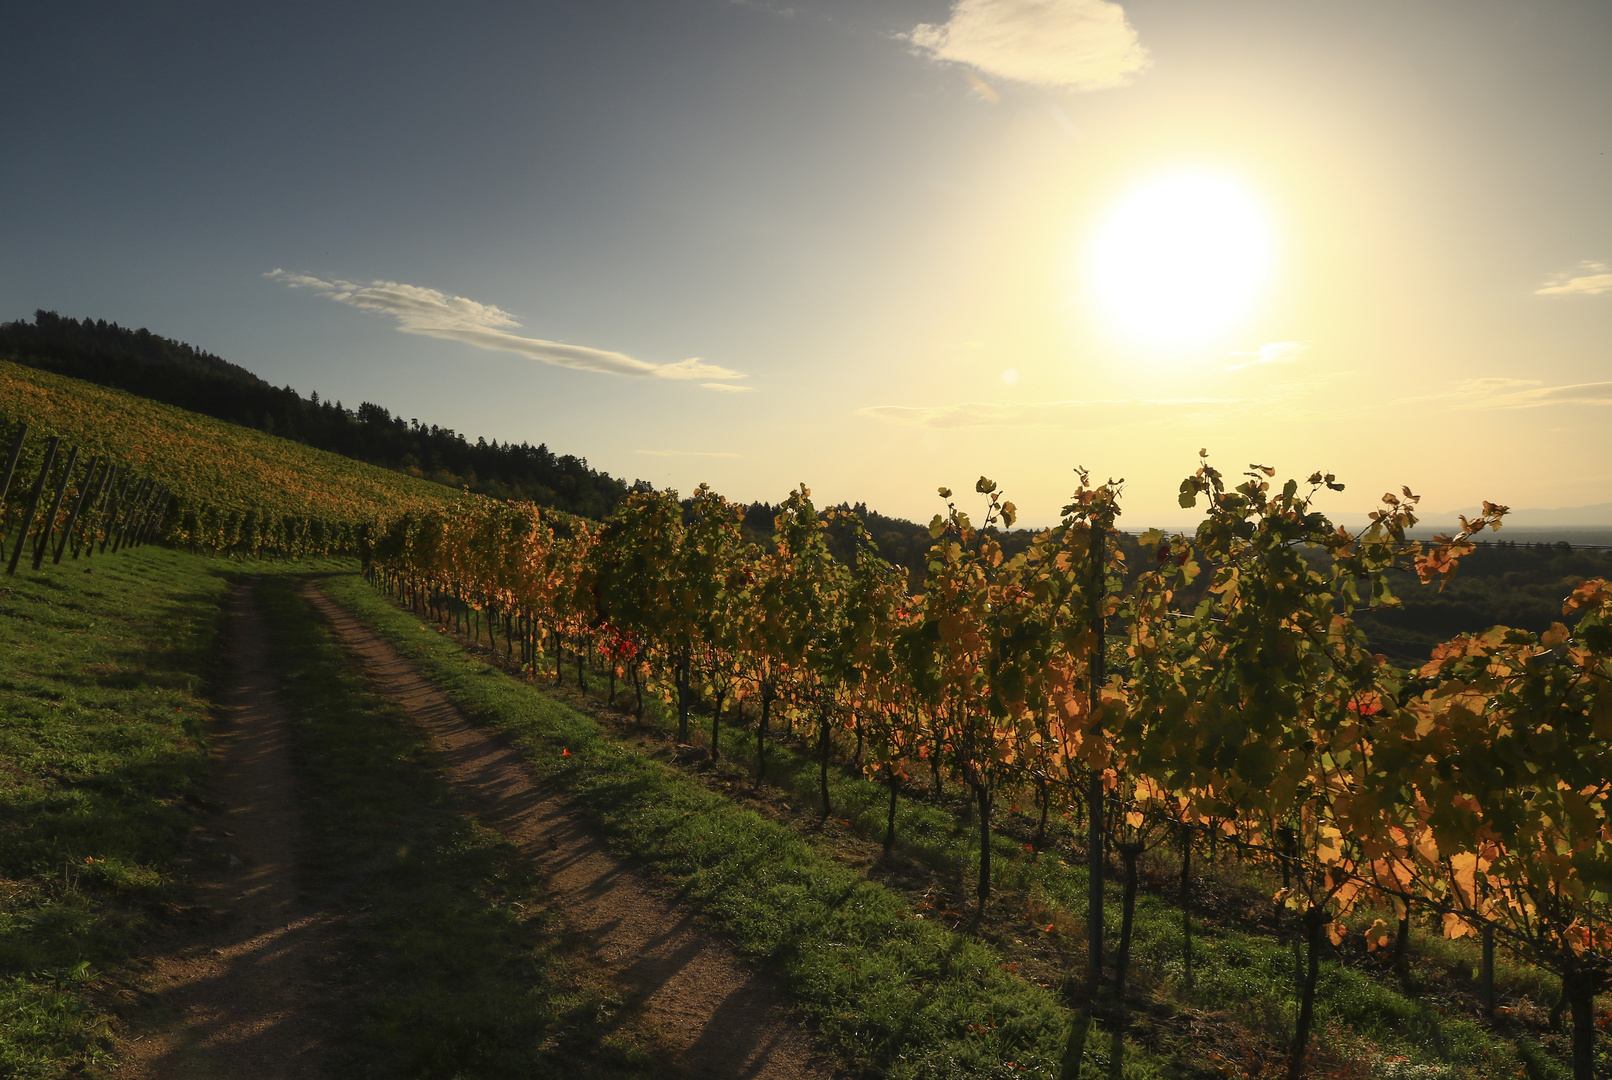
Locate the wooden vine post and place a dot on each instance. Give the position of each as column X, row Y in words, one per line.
column 110, row 515
column 1098, row 677
column 27, row 521
column 11, row 462
column 78, row 505
column 42, row 540
column 98, row 505
column 1186, row 900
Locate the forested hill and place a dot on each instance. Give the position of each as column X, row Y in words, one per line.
column 175, row 373
column 1500, row 584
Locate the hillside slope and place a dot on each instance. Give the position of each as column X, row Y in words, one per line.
column 176, row 373
column 229, row 466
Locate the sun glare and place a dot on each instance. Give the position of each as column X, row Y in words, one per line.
column 1180, row 260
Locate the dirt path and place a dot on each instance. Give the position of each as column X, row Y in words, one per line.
column 242, row 998
column 729, row 1018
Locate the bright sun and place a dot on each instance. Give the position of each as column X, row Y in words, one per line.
column 1180, row 260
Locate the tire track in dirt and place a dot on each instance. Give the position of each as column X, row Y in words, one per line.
column 729, row 1018
column 243, row 997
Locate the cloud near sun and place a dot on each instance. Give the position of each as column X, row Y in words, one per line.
column 1591, row 279
column 1272, row 352
column 1496, row 393
column 431, row 313
column 1078, row 44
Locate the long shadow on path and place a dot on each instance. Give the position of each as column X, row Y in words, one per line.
column 240, row 1001
column 729, row 1018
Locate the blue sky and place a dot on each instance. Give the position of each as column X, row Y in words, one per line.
column 849, row 243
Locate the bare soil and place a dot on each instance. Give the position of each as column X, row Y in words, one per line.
column 249, row 994
column 727, row 1018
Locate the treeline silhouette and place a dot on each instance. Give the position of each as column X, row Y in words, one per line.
column 176, row 373
column 1500, row 584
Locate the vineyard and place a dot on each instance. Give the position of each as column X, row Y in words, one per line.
column 85, row 466
column 1121, row 699
column 1191, row 691
column 228, row 466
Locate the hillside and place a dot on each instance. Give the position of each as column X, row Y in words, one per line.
column 176, row 373
column 227, row 465
column 1502, row 583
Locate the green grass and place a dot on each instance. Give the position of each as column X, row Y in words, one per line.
column 106, row 680
column 1247, row 974
column 464, row 971
column 103, row 696
column 892, row 994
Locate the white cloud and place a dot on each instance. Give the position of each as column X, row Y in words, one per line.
column 695, row 368
column 1077, row 44
column 1591, row 279
column 770, row 9
column 688, row 453
column 1272, row 352
column 1034, row 414
column 431, row 313
column 1522, row 394
column 729, row 387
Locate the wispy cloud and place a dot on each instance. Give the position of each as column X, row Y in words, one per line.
column 432, row 313
column 1590, row 279
column 1076, row 44
column 1272, row 352
column 760, row 5
column 729, row 387
column 696, row 368
column 1035, row 414
column 1522, row 394
column 688, row 453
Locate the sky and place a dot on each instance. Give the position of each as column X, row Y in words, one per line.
column 873, row 247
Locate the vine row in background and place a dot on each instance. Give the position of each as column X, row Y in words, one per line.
column 51, row 506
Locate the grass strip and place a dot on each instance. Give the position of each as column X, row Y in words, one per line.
column 460, row 970
column 893, row 994
column 105, row 670
column 1246, row 976
column 1248, row 973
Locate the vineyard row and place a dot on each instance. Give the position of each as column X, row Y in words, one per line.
column 105, row 504
column 1221, row 688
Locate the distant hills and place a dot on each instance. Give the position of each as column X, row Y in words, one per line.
column 1597, row 516
column 1577, row 526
